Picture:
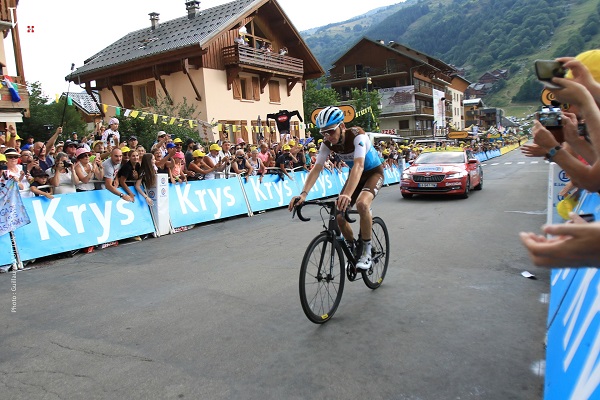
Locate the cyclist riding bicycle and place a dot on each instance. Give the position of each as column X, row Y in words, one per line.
column 364, row 181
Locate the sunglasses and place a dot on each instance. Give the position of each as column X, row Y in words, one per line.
column 12, row 157
column 331, row 131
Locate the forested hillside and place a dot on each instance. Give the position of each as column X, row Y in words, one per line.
column 478, row 35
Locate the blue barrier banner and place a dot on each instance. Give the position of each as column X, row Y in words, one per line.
column 203, row 201
column 327, row 184
column 560, row 281
column 391, row 175
column 273, row 192
column 7, row 255
column 572, row 355
column 77, row 220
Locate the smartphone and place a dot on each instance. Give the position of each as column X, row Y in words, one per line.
column 588, row 217
column 548, row 69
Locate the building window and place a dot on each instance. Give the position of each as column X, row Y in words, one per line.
column 246, row 94
column 140, row 96
column 274, row 93
column 349, row 69
column 403, row 124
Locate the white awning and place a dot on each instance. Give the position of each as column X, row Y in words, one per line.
column 11, row 117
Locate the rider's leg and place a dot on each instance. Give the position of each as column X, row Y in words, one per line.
column 346, row 228
column 363, row 206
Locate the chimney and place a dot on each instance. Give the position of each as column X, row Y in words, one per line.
column 381, row 41
column 153, row 20
column 193, row 8
column 391, row 43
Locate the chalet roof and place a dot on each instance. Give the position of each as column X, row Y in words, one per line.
column 168, row 36
column 397, row 48
column 85, row 102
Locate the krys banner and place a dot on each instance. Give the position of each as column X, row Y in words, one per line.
column 78, row 220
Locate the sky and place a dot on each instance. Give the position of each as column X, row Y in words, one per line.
column 54, row 34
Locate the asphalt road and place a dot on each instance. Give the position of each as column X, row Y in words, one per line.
column 213, row 313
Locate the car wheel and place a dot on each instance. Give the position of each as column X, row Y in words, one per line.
column 407, row 195
column 480, row 185
column 467, row 189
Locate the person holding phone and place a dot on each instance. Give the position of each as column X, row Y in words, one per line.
column 577, row 90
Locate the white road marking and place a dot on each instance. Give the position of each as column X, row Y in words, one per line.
column 521, row 162
column 496, row 163
column 508, row 163
column 535, row 162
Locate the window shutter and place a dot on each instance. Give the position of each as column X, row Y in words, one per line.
column 128, row 96
column 255, row 89
column 237, row 89
column 151, row 90
column 274, row 92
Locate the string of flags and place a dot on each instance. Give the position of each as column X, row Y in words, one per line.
column 192, row 123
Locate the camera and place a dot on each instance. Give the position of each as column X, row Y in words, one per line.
column 551, row 118
column 49, row 128
column 548, row 69
column 67, row 164
column 35, row 158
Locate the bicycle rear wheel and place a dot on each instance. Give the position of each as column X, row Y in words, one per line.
column 321, row 278
column 380, row 255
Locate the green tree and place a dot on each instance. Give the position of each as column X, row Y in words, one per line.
column 317, row 95
column 145, row 129
column 44, row 114
column 362, row 99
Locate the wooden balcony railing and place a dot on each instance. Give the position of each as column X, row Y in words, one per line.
column 260, row 59
column 5, row 17
column 372, row 72
column 419, row 89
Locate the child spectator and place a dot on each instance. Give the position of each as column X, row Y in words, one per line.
column 177, row 171
column 40, row 178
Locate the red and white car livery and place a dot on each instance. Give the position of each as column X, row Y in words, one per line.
column 451, row 170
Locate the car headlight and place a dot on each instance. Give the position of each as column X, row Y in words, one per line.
column 406, row 175
column 457, row 175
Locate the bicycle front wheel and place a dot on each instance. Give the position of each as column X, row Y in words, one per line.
column 321, row 278
column 380, row 255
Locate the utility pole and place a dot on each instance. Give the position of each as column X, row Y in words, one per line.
column 369, row 100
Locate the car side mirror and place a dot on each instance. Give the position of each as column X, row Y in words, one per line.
column 473, row 161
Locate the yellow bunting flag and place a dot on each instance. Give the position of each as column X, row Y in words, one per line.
column 134, row 114
column 105, row 108
column 155, row 116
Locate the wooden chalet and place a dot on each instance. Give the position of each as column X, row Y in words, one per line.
column 213, row 59
column 375, row 65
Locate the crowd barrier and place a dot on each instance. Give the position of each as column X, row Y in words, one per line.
column 85, row 219
column 573, row 327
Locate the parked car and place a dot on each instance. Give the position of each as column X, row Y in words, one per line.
column 452, row 170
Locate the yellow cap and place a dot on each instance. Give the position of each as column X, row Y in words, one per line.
column 591, row 59
column 177, row 140
column 2, row 157
column 214, row 146
column 198, row 153
column 125, row 149
column 286, row 147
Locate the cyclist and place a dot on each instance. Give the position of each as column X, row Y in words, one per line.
column 364, row 181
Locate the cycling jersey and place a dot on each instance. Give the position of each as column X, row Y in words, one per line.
column 355, row 145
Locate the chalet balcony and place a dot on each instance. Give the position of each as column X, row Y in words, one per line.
column 419, row 110
column 423, row 90
column 252, row 59
column 6, row 102
column 5, row 17
column 372, row 72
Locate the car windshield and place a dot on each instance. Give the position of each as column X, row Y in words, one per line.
column 442, row 157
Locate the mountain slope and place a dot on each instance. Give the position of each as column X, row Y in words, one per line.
column 478, row 35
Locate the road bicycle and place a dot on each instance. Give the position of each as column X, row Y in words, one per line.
column 324, row 269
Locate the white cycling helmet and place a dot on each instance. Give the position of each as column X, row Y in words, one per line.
column 328, row 117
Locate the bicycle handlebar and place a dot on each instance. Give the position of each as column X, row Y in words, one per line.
column 324, row 203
